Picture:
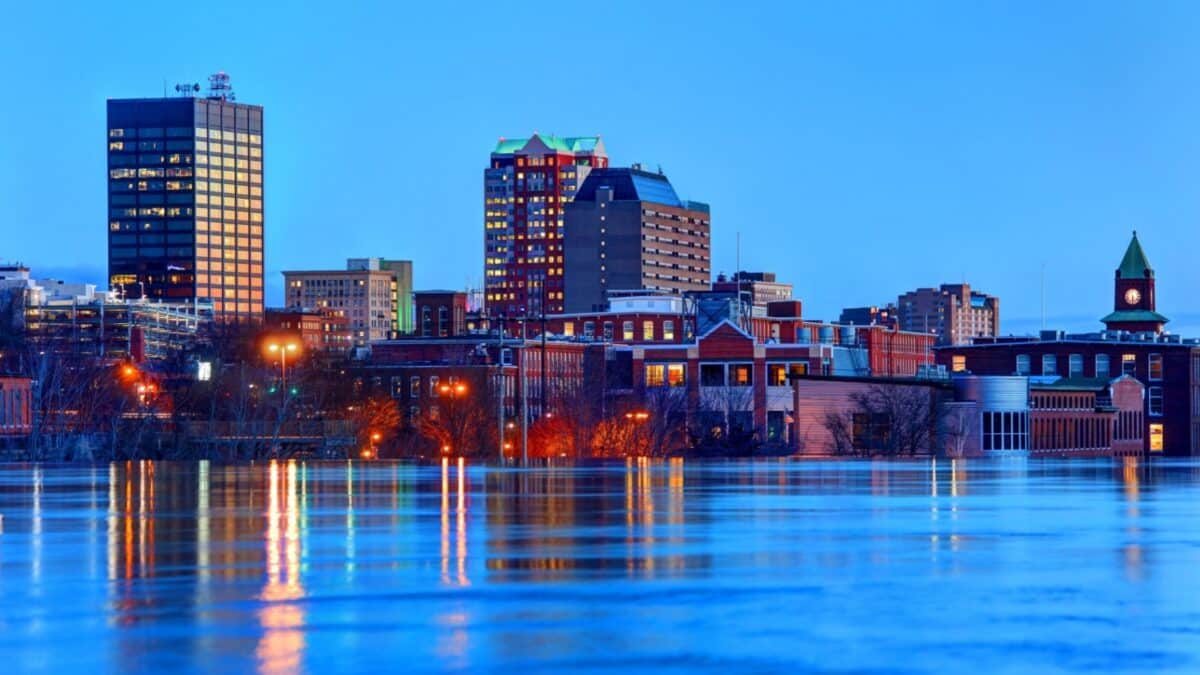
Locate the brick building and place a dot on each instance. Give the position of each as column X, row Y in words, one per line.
column 1167, row 365
column 321, row 331
column 16, row 407
column 365, row 296
column 760, row 288
column 1086, row 417
column 526, row 186
column 440, row 313
column 953, row 312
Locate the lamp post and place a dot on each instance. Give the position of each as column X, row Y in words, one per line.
column 283, row 349
column 454, row 391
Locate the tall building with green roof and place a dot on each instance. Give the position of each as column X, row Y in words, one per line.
column 525, row 187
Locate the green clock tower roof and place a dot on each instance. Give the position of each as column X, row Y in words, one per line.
column 1134, row 265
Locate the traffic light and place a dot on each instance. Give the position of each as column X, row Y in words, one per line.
column 295, row 390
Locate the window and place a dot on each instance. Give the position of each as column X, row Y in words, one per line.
column 1022, row 364
column 655, row 374
column 776, row 375
column 958, row 363
column 1075, row 365
column 1129, row 364
column 1156, row 437
column 589, row 328
column 1155, row 396
column 433, row 388
column 608, row 331
column 712, row 375
column 676, row 375
column 1156, row 367
column 740, row 375
column 569, row 329
column 1005, row 430
column 627, row 331
column 1049, row 364
column 414, row 386
column 648, row 331
column 1102, row 365
column 668, row 330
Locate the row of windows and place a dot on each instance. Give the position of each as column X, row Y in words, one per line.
column 1103, row 367
column 1005, row 430
column 186, row 132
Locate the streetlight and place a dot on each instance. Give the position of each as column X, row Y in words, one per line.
column 283, row 349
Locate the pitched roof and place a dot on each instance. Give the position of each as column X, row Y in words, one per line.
column 1134, row 265
column 1138, row 315
column 573, row 144
column 629, row 185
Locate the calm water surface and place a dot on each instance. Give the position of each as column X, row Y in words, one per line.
column 646, row 565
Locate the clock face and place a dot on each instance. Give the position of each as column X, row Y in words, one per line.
column 1132, row 296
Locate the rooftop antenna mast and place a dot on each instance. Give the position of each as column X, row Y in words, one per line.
column 219, row 88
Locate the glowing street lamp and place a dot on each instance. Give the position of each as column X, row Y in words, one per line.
column 283, row 349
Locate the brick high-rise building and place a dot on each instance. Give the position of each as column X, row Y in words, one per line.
column 953, row 312
column 525, row 187
column 185, row 200
column 627, row 230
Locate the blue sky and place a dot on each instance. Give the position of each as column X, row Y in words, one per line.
column 860, row 151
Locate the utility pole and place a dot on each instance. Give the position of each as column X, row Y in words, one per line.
column 524, row 396
column 542, row 407
column 500, row 384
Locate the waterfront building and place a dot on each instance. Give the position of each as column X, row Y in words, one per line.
column 1084, row 417
column 1167, row 365
column 953, row 312
column 16, row 407
column 526, row 186
column 366, row 296
column 628, row 231
column 185, row 200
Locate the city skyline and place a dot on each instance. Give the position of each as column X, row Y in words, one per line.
column 1001, row 143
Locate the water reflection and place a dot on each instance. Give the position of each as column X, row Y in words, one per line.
column 233, row 567
column 282, row 618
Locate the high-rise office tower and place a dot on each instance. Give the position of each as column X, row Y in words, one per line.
column 627, row 231
column 185, row 199
column 524, row 190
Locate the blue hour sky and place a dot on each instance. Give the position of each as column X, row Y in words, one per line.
column 860, row 151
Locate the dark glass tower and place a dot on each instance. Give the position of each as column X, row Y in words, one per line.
column 185, row 201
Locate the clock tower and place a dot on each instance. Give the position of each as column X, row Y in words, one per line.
column 1133, row 294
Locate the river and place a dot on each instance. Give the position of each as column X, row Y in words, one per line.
column 663, row 565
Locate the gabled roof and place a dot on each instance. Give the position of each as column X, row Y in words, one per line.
column 721, row 324
column 1134, row 265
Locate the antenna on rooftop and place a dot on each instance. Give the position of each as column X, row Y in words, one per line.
column 219, row 88
column 187, row 88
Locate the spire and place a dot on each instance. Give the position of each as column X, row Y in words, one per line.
column 1134, row 265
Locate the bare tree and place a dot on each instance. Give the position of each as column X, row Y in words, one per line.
column 959, row 426
column 889, row 420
